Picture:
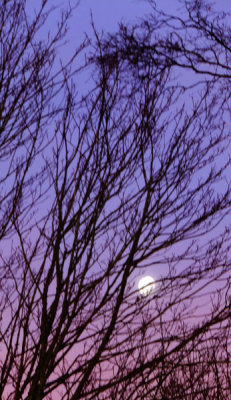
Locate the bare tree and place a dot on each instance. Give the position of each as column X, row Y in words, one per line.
column 100, row 187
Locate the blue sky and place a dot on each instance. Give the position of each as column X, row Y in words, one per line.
column 107, row 14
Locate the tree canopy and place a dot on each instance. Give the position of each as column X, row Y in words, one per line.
column 97, row 188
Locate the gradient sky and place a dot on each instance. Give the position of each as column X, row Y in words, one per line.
column 106, row 16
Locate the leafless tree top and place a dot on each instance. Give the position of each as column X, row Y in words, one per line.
column 99, row 187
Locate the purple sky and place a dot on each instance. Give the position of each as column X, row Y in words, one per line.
column 107, row 14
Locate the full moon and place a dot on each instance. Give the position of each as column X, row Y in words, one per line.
column 146, row 285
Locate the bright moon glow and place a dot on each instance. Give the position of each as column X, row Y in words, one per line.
column 146, row 285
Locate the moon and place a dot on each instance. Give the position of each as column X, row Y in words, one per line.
column 146, row 285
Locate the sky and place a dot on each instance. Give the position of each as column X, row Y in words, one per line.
column 106, row 15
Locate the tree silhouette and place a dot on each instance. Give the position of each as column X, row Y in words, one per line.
column 98, row 187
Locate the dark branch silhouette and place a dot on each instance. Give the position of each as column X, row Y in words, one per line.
column 97, row 187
